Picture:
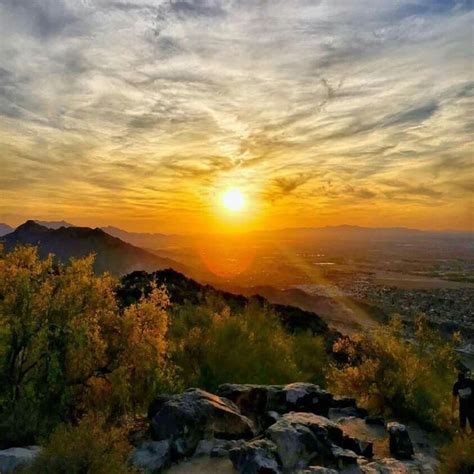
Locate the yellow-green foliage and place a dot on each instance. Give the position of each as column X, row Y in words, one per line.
column 458, row 456
column 65, row 346
column 389, row 375
column 90, row 447
column 211, row 346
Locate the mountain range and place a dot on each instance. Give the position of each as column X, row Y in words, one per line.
column 112, row 254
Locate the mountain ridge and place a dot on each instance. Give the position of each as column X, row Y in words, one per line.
column 112, row 254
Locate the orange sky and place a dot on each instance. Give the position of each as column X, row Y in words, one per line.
column 141, row 114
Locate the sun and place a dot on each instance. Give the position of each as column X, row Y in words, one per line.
column 233, row 200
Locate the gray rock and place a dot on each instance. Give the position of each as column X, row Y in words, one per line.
column 194, row 415
column 151, row 456
column 216, row 448
column 375, row 420
column 304, row 438
column 255, row 401
column 400, row 443
column 362, row 448
column 390, row 466
column 256, row 457
column 339, row 401
column 12, row 458
column 345, row 412
column 344, row 458
column 317, row 470
column 301, row 397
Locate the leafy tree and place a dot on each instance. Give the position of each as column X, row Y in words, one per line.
column 66, row 347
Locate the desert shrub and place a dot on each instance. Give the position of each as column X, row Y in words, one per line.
column 89, row 447
column 458, row 456
column 65, row 346
column 210, row 345
column 390, row 375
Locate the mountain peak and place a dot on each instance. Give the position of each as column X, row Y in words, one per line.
column 31, row 226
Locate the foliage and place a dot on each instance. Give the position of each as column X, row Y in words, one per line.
column 90, row 447
column 210, row 345
column 407, row 379
column 458, row 456
column 64, row 341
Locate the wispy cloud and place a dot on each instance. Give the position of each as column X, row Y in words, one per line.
column 110, row 103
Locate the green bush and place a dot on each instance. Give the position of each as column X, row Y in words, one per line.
column 389, row 375
column 90, row 447
column 211, row 346
column 458, row 456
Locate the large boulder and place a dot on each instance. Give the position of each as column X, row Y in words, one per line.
column 13, row 458
column 255, row 401
column 300, row 397
column 194, row 415
column 303, row 439
column 151, row 456
column 400, row 443
column 362, row 448
column 256, row 457
column 344, row 458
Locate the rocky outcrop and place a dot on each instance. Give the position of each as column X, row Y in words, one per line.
column 271, row 429
column 261, row 402
column 400, row 443
column 303, row 438
column 194, row 415
column 151, row 456
column 12, row 458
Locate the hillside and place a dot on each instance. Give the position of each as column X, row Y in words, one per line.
column 186, row 290
column 112, row 254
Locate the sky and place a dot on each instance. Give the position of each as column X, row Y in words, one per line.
column 141, row 113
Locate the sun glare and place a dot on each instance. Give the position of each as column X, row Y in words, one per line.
column 233, row 200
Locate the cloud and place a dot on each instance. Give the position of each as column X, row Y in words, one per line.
column 172, row 98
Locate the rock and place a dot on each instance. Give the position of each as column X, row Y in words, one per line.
column 339, row 401
column 362, row 448
column 299, row 397
column 156, row 404
column 251, row 399
column 255, row 457
column 304, row 438
column 194, row 415
column 297, row 445
column 317, row 470
column 216, row 448
column 390, row 466
column 400, row 442
column 348, row 411
column 12, row 458
column 255, row 401
column 151, row 456
column 375, row 420
column 270, row 418
column 344, row 458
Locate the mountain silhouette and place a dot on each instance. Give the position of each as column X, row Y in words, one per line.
column 112, row 254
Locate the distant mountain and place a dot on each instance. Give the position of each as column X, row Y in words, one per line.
column 54, row 224
column 112, row 254
column 147, row 240
column 5, row 229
